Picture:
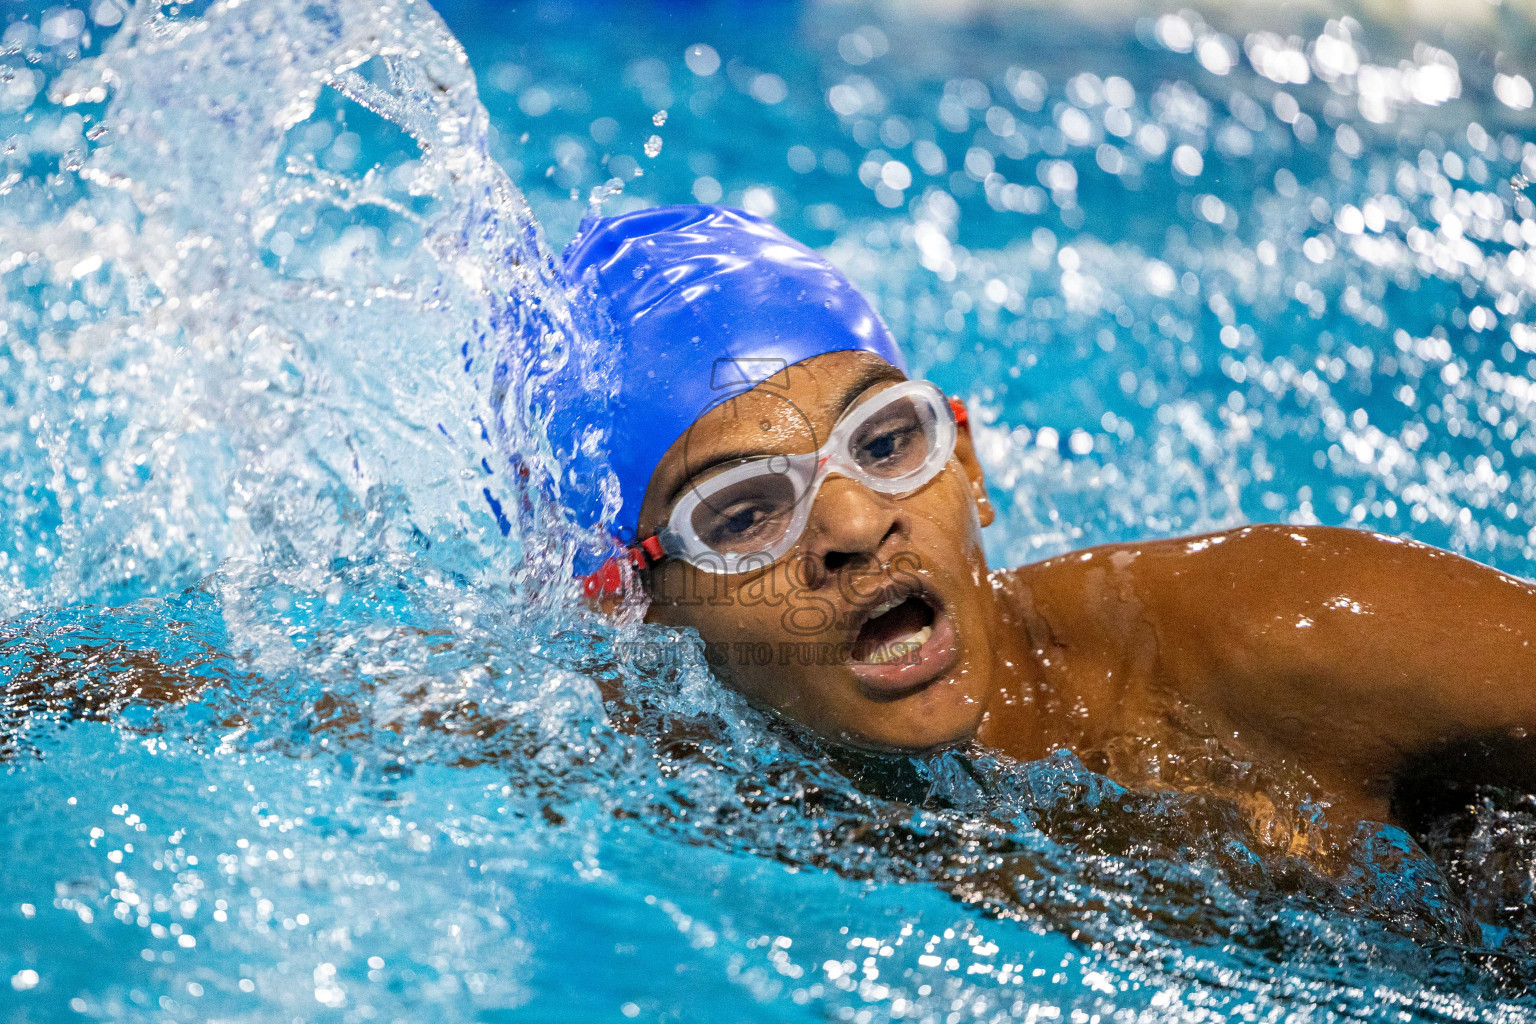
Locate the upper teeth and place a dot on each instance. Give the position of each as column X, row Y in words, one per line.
column 880, row 610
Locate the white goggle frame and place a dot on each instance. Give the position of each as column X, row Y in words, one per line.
column 806, row 473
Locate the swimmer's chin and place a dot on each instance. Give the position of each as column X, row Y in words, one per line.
column 933, row 717
column 908, row 746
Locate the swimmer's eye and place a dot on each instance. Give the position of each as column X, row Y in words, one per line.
column 742, row 523
column 747, row 515
column 892, row 447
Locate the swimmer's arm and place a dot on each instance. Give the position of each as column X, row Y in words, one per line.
column 91, row 679
column 1348, row 653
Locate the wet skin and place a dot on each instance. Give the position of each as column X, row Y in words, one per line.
column 1345, row 654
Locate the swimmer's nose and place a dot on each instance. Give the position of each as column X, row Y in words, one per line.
column 848, row 528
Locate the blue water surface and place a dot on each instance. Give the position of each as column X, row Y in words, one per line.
column 278, row 306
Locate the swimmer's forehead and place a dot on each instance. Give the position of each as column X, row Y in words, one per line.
column 791, row 412
column 812, row 393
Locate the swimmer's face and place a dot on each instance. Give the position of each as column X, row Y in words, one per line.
column 875, row 629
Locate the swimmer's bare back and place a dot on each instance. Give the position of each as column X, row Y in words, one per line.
column 1349, row 655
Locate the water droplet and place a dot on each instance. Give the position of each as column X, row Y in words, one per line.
column 702, row 59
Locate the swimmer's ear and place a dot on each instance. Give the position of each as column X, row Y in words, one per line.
column 966, row 453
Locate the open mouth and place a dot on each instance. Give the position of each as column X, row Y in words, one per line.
column 904, row 644
column 894, row 631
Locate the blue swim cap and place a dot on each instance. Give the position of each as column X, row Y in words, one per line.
column 706, row 303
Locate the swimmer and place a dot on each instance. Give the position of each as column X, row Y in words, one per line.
column 816, row 516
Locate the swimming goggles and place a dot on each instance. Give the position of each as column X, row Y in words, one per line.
column 748, row 516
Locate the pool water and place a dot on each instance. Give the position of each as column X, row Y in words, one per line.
column 279, row 308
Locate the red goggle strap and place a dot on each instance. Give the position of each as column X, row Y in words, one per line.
column 962, row 418
column 646, row 553
column 609, row 580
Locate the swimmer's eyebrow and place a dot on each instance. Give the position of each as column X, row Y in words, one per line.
column 867, row 378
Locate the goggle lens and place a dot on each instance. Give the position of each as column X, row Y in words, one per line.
column 746, row 516
column 896, row 441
